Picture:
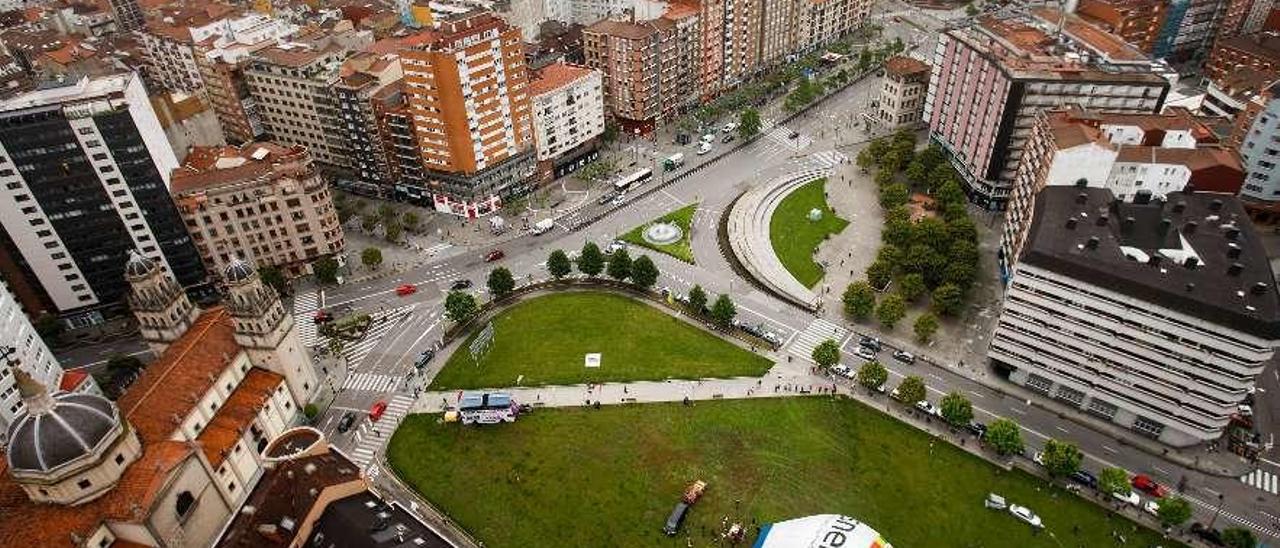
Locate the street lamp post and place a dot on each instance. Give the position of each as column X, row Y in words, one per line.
column 1216, row 512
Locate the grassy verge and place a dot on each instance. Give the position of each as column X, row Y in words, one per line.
column 681, row 249
column 795, row 237
column 582, row 477
column 546, row 338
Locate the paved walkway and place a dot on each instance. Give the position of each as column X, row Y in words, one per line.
column 748, row 233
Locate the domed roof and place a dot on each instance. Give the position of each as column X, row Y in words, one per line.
column 54, row 430
column 237, row 271
column 138, row 266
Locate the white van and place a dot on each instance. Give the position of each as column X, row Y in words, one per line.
column 704, row 148
column 543, row 226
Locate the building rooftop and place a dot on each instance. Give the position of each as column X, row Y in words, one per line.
column 366, row 521
column 69, row 90
column 236, row 415
column 1263, row 44
column 901, row 65
column 209, row 167
column 1195, row 253
column 286, row 495
column 622, row 29
column 555, row 76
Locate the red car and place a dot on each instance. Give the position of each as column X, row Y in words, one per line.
column 377, row 410
column 406, row 289
column 494, row 255
column 322, row 316
column 1144, row 483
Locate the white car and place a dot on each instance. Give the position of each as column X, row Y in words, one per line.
column 1129, row 498
column 842, row 370
column 614, row 246
column 619, row 199
column 729, row 127
column 1038, row 458
column 928, row 408
column 707, row 138
column 1025, row 514
column 704, row 148
column 865, row 353
column 1152, row 507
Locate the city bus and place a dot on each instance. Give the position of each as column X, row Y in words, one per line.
column 487, row 408
column 638, row 178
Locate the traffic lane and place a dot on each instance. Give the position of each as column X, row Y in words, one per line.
column 399, row 349
column 91, row 356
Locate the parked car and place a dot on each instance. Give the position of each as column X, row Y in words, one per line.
column 1038, row 458
column 842, row 370
column 976, row 428
column 729, row 127
column 772, row 338
column 377, row 410
column 1152, row 507
column 676, row 519
column 348, row 419
column 1129, row 497
column 1083, row 477
column 865, row 353
column 870, row 342
column 605, row 198
column 614, row 246
column 321, row 316
column 1207, row 534
column 728, row 138
column 1025, row 514
column 494, row 255
column 795, row 134
column 704, row 148
column 424, row 358
column 707, row 138
column 618, row 200
column 406, row 289
column 904, row 357
column 1144, row 483
column 928, row 408
column 459, row 285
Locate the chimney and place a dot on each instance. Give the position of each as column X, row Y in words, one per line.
column 1190, row 227
column 1215, row 205
column 1233, row 233
column 1179, row 207
column 1102, row 220
column 1259, row 288
column 1235, row 269
column 1071, row 223
column 1082, row 197
column 1191, row 263
column 1233, row 251
column 1165, row 223
column 1191, row 286
column 1092, row 243
column 1153, row 260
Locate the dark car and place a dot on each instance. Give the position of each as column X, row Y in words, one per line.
column 904, row 357
column 605, row 198
column 1209, row 535
column 676, row 519
column 976, row 428
column 348, row 419
column 459, row 285
column 424, row 358
column 795, row 134
column 494, row 255
column 1083, row 477
column 872, row 343
column 727, row 138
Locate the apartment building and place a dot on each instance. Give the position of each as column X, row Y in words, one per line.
column 261, row 203
column 1257, row 132
column 1137, row 22
column 30, row 354
column 221, row 60
column 902, row 93
column 468, row 90
column 1242, row 17
column 568, row 117
column 360, row 91
column 1155, row 316
column 650, row 68
column 788, row 27
column 292, row 86
column 85, row 166
column 992, row 78
column 1139, row 158
column 395, row 129
column 128, row 14
column 169, row 39
column 1190, row 27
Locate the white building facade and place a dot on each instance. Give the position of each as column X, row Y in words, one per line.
column 28, row 352
column 568, row 108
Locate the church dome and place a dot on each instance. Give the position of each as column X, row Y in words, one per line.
column 138, row 266
column 238, row 271
column 53, row 430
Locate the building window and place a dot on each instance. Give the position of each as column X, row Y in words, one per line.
column 1148, row 427
column 1070, row 395
column 119, row 459
column 84, row 484
column 1102, row 409
column 1039, row 384
column 185, row 503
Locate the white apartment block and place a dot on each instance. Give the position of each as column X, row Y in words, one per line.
column 1157, row 317
column 28, row 352
column 568, row 108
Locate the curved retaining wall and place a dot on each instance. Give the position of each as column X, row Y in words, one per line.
column 748, row 234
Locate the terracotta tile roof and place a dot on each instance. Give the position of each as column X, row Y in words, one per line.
column 290, row 489
column 556, row 76
column 126, row 544
column 174, row 383
column 904, row 66
column 622, row 29
column 48, row 525
column 199, row 169
column 237, row 413
column 71, row 380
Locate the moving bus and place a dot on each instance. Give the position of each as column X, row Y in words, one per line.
column 638, row 178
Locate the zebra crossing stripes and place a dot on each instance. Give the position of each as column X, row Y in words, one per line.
column 303, row 305
column 817, row 331
column 370, row 382
column 782, row 136
column 383, row 321
column 431, row 251
column 1263, row 480
column 827, row 159
column 372, row 435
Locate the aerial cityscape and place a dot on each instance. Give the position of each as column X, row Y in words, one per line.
column 628, row 273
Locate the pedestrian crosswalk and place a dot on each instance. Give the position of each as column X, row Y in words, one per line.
column 817, row 331
column 826, row 159
column 371, row 436
column 1263, row 480
column 303, row 305
column 383, row 321
column 431, row 251
column 781, row 135
column 370, row 382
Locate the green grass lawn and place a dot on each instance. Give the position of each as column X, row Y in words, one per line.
column 545, row 339
column 795, row 237
column 578, row 477
column 682, row 249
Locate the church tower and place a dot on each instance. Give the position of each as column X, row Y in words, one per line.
column 266, row 331
column 162, row 308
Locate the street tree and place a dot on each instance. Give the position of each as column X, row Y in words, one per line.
column 866, row 159
column 1061, row 458
column 748, row 123
column 911, row 390
column 827, row 353
column 723, row 311
column 643, row 272
column 931, row 232
column 393, row 231
column 891, row 310
column 949, row 191
column 859, row 300
column 410, row 219
column 884, row 177
column 368, row 222
column 619, row 265
column 1173, row 511
column 698, row 299
column 1239, row 537
column 926, row 261
column 371, row 257
column 325, row 270
column 123, row 363
column 890, row 254
column 274, row 278
column 911, row 286
column 879, row 273
column 558, row 264
column 893, row 195
column 1113, row 480
column 386, row 212
column 926, row 325
column 917, row 172
column 591, row 261
column 948, row 300
column 957, row 409
column 501, row 283
column 460, row 306
column 872, row 375
column 1004, row 436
